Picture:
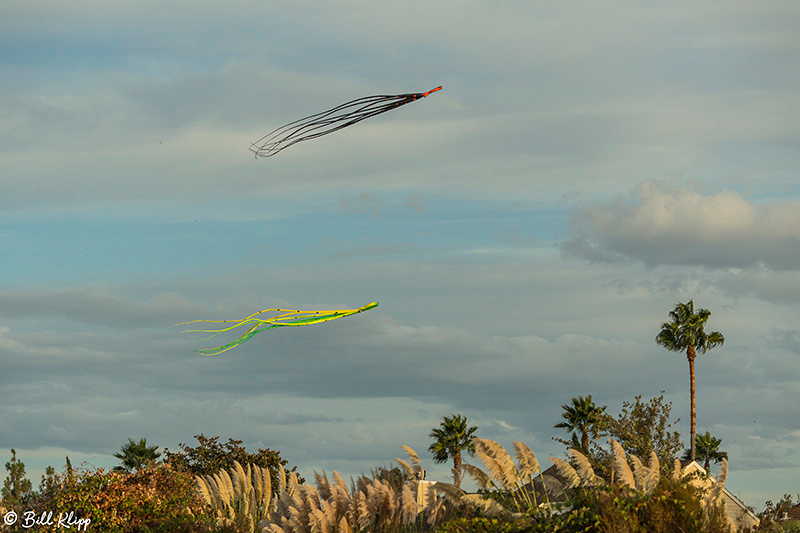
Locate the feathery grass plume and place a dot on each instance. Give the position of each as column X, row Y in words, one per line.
column 716, row 489
column 556, row 488
column 383, row 502
column 413, row 456
column 242, row 480
column 507, row 470
column 329, row 512
column 281, row 480
column 639, row 473
column 241, row 493
column 528, row 465
column 223, row 510
column 493, row 467
column 323, row 485
column 655, row 464
column 263, row 484
column 408, row 504
column 621, row 469
column 340, row 495
column 407, row 470
column 225, row 485
column 203, row 489
column 292, row 480
column 363, row 514
column 646, row 478
column 584, row 469
column 653, row 473
column 565, row 470
column 435, row 510
column 676, row 469
column 487, row 506
column 450, row 492
column 481, row 477
column 373, row 504
column 319, row 523
column 500, row 466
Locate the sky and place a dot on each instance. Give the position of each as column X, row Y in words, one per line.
column 526, row 230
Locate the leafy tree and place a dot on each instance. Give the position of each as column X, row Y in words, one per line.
column 773, row 513
column 707, row 449
column 49, row 484
column 136, row 455
column 210, row 456
column 451, row 438
column 16, row 487
column 583, row 417
column 69, row 469
column 640, row 427
column 685, row 332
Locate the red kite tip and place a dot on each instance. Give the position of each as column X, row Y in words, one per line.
column 439, row 88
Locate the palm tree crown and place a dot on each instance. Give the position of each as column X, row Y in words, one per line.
column 685, row 332
column 582, row 416
column 707, row 448
column 136, row 455
column 451, row 438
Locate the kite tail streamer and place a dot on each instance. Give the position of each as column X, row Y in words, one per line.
column 334, row 119
column 287, row 317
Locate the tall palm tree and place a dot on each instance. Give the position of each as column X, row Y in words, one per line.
column 684, row 332
column 707, row 448
column 136, row 455
column 451, row 438
column 582, row 416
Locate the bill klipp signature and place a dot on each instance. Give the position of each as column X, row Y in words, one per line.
column 31, row 519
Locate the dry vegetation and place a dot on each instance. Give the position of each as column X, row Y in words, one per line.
column 515, row 495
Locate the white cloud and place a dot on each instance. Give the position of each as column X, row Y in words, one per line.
column 663, row 226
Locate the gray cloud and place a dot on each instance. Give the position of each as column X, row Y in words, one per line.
column 94, row 306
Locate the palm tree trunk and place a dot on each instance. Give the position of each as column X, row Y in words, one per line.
column 585, row 440
column 457, row 469
column 690, row 355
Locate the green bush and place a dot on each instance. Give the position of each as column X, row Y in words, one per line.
column 673, row 506
column 483, row 525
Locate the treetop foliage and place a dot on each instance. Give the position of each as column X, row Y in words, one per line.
column 210, row 456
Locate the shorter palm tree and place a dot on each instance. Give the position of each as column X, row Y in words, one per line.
column 706, row 450
column 583, row 417
column 451, row 438
column 136, row 455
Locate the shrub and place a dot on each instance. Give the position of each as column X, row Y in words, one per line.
column 154, row 499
